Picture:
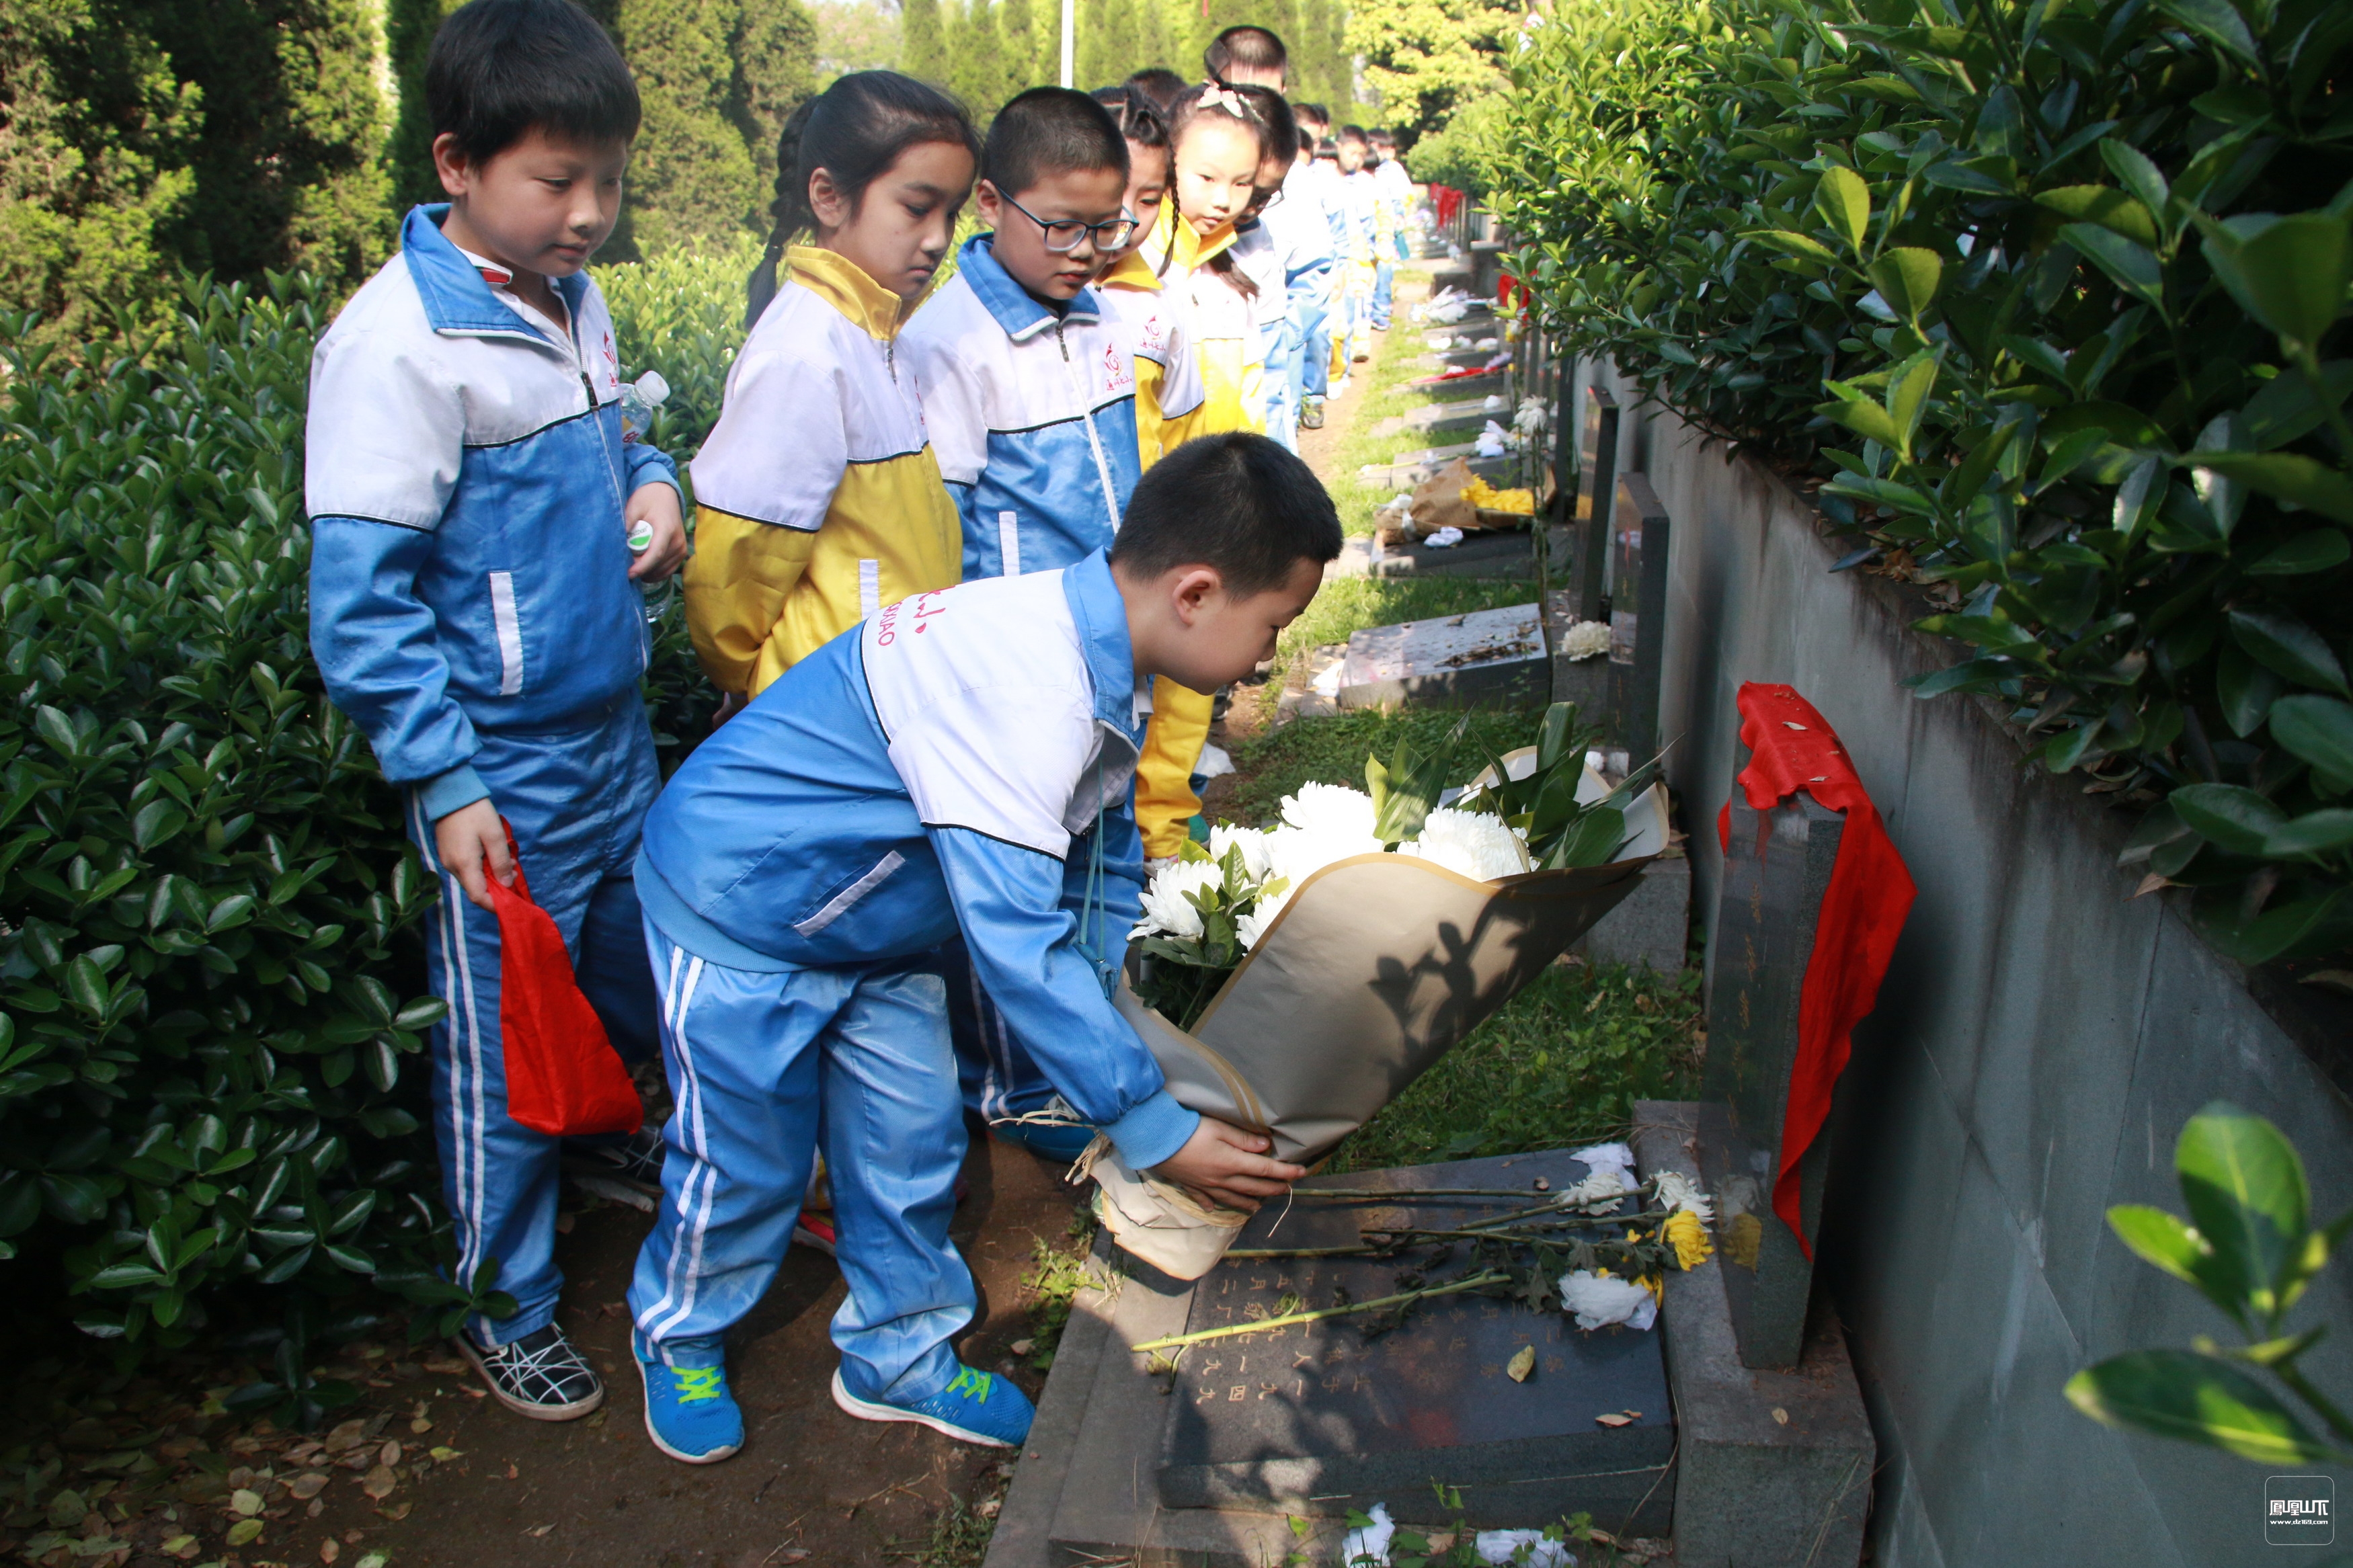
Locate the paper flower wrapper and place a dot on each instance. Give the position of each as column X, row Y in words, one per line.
column 1378, row 966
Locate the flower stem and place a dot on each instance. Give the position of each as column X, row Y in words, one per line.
column 1489, row 1277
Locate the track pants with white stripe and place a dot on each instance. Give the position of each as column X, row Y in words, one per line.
column 758, row 1063
column 574, row 800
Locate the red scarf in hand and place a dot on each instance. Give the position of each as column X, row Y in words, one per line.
column 1792, row 749
column 564, row 1077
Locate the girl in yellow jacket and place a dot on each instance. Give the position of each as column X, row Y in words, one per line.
column 1169, row 400
column 817, row 499
column 1228, row 144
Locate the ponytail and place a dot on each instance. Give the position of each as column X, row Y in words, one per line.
column 854, row 130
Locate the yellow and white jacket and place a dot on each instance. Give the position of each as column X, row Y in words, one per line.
column 1220, row 317
column 1168, row 393
column 817, row 499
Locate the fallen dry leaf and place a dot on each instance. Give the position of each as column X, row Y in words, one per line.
column 2331, row 979
column 539, row 1530
column 513, row 1474
column 442, row 1456
column 348, row 1435
column 389, row 1454
column 447, row 1366
column 419, row 1425
column 1523, row 1364
column 306, row 1487
column 1780, row 1416
column 244, row 1501
column 1615, row 1420
column 396, row 1512
column 1022, row 1347
column 380, row 1482
column 2155, row 881
column 329, row 1549
column 242, row 1532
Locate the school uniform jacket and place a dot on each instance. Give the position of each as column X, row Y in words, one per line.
column 938, row 769
column 817, row 498
column 1218, row 317
column 466, row 475
column 1168, row 391
column 1032, row 413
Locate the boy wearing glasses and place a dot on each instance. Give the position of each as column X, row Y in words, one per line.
column 1027, row 387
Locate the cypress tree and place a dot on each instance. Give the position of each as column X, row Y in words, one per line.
column 1154, row 43
column 691, row 173
column 1095, row 64
column 1123, row 42
column 922, row 42
column 775, row 72
column 976, row 66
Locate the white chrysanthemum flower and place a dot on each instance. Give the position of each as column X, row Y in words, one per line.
column 1167, row 910
column 1532, row 415
column 1472, row 843
column 1299, row 853
column 1256, row 857
column 1596, row 1300
column 1248, row 928
column 1679, row 1191
column 1330, row 809
column 1586, row 639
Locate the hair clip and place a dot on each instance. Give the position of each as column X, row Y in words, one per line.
column 1216, row 96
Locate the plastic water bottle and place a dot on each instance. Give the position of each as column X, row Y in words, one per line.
column 639, row 398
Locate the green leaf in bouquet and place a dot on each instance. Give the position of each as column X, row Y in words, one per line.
column 1406, row 791
column 1597, row 834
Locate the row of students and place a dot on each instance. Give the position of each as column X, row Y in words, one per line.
column 923, row 789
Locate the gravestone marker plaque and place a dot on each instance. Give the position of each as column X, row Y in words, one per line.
column 1637, row 616
column 1597, row 482
column 1326, row 1413
column 1776, row 872
column 1482, row 655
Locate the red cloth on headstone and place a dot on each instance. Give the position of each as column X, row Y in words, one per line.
column 1791, row 749
column 1448, row 200
column 564, row 1077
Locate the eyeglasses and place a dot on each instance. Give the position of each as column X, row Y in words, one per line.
column 1063, row 234
column 1265, row 198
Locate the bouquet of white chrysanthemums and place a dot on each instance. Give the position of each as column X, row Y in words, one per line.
column 1212, row 905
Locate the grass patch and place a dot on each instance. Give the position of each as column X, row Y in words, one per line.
column 1390, row 368
column 958, row 1538
column 1560, row 1065
column 1333, row 751
column 1055, row 1276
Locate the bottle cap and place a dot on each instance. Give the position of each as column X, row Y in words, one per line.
column 641, row 537
column 652, row 388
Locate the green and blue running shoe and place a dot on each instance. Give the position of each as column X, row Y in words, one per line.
column 690, row 1413
column 975, row 1407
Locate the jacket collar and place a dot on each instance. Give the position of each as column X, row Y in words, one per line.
column 1016, row 310
column 844, row 285
column 1191, row 249
column 457, row 299
column 1100, row 616
column 1134, row 272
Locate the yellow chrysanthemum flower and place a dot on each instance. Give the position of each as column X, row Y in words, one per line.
column 1689, row 1238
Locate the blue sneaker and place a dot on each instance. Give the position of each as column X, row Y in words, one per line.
column 975, row 1407
column 690, row 1413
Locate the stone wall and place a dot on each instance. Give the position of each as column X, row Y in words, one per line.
column 2039, row 1042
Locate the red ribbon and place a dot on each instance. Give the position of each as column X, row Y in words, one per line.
column 1793, row 750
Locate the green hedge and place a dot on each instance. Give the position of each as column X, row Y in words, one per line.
column 212, row 1057
column 2049, row 293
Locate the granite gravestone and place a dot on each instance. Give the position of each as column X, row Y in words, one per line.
column 1597, row 479
column 1637, row 617
column 1328, row 1412
column 1776, row 869
column 1482, row 655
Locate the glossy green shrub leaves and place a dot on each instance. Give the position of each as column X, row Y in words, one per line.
column 2054, row 298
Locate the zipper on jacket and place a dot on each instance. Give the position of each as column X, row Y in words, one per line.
column 1094, row 442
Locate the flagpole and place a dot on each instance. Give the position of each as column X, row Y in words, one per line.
column 1070, row 40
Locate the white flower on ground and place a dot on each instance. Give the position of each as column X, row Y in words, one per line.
column 1472, row 843
column 1677, row 1191
column 1329, row 808
column 1256, row 857
column 1167, row 910
column 1597, row 1301
column 1586, row 639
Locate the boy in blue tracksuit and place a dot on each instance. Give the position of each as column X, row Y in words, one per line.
column 959, row 765
column 1028, row 392
column 472, row 497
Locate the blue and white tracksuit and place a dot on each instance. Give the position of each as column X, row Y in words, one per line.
column 943, row 769
column 1302, row 232
column 471, row 610
column 1032, row 414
